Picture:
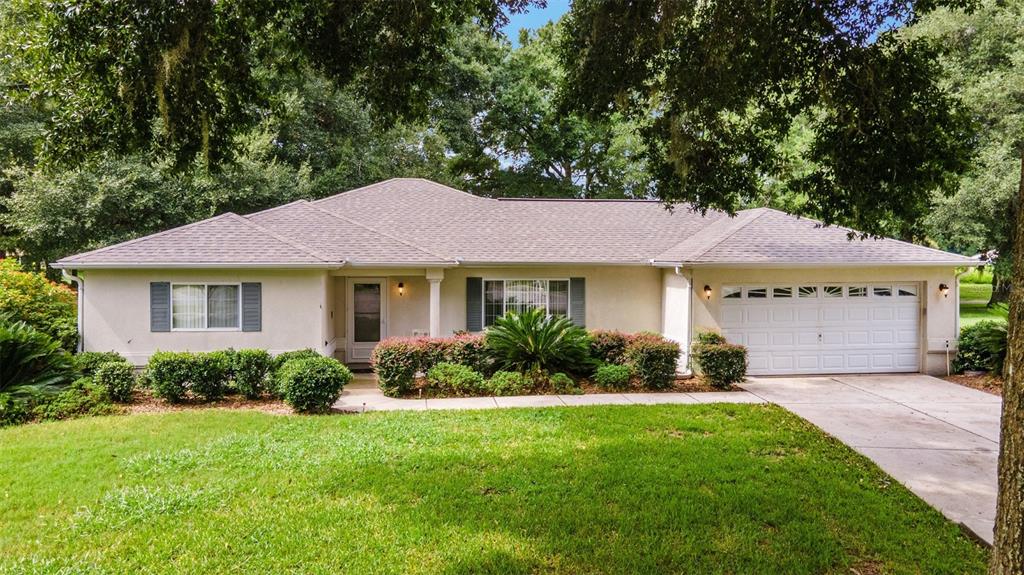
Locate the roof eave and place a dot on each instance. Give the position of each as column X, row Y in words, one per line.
column 194, row 265
column 817, row 264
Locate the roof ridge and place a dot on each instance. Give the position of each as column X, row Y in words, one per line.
column 709, row 236
column 731, row 231
column 146, row 237
column 382, row 182
column 295, row 244
column 376, row 231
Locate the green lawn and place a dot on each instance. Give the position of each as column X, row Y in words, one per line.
column 973, row 298
column 617, row 489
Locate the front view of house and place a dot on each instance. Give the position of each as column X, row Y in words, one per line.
column 410, row 257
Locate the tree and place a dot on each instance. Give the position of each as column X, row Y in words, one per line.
column 982, row 54
column 728, row 79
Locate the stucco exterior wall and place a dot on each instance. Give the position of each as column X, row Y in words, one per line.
column 116, row 312
column 938, row 314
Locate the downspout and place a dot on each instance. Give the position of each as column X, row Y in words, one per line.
column 81, row 299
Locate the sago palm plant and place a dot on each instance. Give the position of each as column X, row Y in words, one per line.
column 31, row 362
column 532, row 341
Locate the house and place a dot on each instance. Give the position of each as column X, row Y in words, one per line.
column 410, row 257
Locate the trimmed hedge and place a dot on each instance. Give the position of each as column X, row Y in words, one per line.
column 89, row 361
column 251, row 371
column 612, row 376
column 654, row 360
column 721, row 364
column 117, row 379
column 608, row 346
column 312, row 384
column 175, row 375
column 397, row 360
column 456, row 379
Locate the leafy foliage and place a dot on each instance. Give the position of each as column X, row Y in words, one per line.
column 653, row 359
column 507, row 383
column 89, row 361
column 722, row 364
column 174, row 375
column 613, row 376
column 564, row 384
column 981, row 347
column 251, row 368
column 83, row 398
column 395, row 361
column 313, row 384
column 532, row 341
column 608, row 346
column 46, row 306
column 116, row 379
column 455, row 379
column 31, row 362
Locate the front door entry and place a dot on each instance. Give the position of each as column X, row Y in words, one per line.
column 367, row 317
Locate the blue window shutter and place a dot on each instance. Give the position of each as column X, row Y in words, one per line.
column 160, row 306
column 474, row 304
column 252, row 306
column 578, row 301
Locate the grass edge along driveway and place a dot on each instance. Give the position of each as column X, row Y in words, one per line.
column 611, row 489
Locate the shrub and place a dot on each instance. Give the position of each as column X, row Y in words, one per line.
column 561, row 383
column 175, row 374
column 82, row 398
column 280, row 359
column 31, row 362
column 313, row 384
column 721, row 364
column 608, row 346
column 12, row 411
column 507, row 383
column 395, row 361
column 88, row 361
column 251, row 369
column 48, row 307
column 710, row 338
column 982, row 346
column 612, row 376
column 456, row 379
column 117, row 379
column 653, row 359
column 533, row 341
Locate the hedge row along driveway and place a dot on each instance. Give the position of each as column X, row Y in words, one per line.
column 615, row 489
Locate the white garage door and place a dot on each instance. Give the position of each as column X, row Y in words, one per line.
column 824, row 328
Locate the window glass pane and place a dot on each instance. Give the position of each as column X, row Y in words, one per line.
column 732, row 292
column 523, row 295
column 187, row 307
column 833, row 291
column 494, row 301
column 808, row 291
column 558, row 297
column 858, row 291
column 882, row 291
column 904, row 291
column 222, row 306
column 782, row 292
column 366, row 312
column 757, row 293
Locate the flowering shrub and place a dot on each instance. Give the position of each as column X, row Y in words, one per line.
column 608, row 346
column 42, row 304
column 397, row 360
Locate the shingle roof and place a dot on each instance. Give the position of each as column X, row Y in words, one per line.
column 409, row 221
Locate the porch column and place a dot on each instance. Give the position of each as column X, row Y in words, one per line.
column 676, row 297
column 435, row 277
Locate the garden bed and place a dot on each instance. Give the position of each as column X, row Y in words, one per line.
column 143, row 401
column 988, row 383
column 682, row 384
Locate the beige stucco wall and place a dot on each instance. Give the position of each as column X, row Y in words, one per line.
column 938, row 313
column 116, row 312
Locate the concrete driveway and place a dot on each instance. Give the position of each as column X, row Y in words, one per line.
column 939, row 439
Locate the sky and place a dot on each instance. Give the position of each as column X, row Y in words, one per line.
column 535, row 18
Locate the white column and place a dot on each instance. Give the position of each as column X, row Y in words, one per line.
column 675, row 312
column 435, row 277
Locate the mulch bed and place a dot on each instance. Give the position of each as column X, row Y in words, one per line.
column 683, row 384
column 988, row 383
column 144, row 402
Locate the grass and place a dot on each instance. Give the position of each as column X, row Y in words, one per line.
column 615, row 489
column 973, row 300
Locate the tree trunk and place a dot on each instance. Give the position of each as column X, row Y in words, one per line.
column 1008, row 552
column 1000, row 290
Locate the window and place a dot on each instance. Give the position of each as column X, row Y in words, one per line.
column 732, row 292
column 906, row 291
column 808, row 291
column 882, row 291
column 205, row 306
column 833, row 291
column 502, row 296
column 857, row 291
column 757, row 293
column 782, row 292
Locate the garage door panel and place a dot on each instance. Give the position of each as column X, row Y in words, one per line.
column 819, row 334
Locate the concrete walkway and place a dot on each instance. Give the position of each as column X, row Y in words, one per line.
column 939, row 439
column 363, row 395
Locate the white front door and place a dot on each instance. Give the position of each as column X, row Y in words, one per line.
column 367, row 317
column 824, row 328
